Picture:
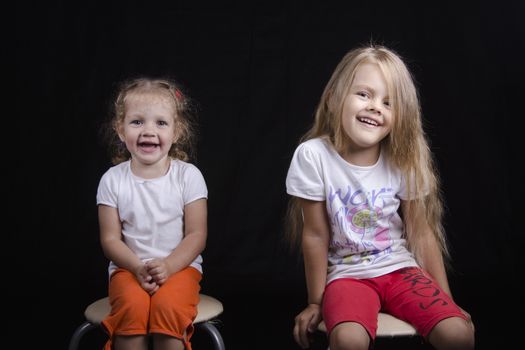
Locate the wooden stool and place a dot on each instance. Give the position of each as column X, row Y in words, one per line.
column 207, row 310
column 387, row 326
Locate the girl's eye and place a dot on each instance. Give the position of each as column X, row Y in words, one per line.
column 136, row 122
column 387, row 103
column 362, row 94
column 162, row 123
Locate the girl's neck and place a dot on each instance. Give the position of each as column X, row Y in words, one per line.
column 361, row 156
column 150, row 171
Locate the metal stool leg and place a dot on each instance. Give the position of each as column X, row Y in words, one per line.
column 216, row 338
column 79, row 333
column 214, row 334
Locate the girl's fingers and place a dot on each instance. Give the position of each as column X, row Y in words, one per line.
column 301, row 332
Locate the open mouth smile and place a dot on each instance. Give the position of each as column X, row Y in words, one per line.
column 148, row 146
column 368, row 121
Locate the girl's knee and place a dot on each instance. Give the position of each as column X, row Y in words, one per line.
column 163, row 341
column 452, row 333
column 349, row 336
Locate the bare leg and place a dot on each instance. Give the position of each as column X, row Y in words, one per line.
column 165, row 342
column 132, row 342
column 453, row 333
column 349, row 335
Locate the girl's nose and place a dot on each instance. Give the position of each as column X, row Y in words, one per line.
column 149, row 129
column 374, row 106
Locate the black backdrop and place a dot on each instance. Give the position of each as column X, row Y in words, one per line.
column 257, row 70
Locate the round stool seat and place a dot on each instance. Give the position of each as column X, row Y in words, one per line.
column 207, row 309
column 387, row 326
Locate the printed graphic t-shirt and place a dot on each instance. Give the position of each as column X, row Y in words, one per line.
column 366, row 231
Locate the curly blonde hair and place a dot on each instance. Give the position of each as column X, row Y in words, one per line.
column 184, row 116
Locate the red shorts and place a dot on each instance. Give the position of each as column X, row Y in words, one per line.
column 170, row 310
column 409, row 294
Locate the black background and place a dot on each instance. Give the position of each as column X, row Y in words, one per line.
column 257, row 70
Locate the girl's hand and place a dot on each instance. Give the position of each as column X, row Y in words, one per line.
column 158, row 270
column 306, row 324
column 146, row 280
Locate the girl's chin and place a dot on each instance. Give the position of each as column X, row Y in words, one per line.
column 148, row 158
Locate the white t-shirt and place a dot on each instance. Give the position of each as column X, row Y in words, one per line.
column 152, row 210
column 362, row 202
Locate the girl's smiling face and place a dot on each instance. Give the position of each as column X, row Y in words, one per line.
column 148, row 129
column 367, row 116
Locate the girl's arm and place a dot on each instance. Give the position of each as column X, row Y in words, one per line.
column 195, row 234
column 429, row 256
column 315, row 238
column 431, row 259
column 111, row 240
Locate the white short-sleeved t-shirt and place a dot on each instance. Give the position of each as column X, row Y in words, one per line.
column 366, row 231
column 152, row 210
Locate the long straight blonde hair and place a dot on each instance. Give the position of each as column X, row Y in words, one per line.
column 406, row 146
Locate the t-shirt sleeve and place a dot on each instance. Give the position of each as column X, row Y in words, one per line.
column 194, row 185
column 403, row 193
column 305, row 178
column 107, row 190
column 410, row 194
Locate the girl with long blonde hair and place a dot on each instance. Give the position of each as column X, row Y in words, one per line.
column 366, row 210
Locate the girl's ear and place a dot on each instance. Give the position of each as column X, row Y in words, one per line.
column 120, row 132
column 330, row 101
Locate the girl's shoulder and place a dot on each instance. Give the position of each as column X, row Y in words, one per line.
column 183, row 166
column 318, row 150
column 318, row 145
column 188, row 176
column 182, row 169
column 111, row 180
column 118, row 170
column 316, row 142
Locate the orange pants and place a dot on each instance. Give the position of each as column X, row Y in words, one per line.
column 170, row 310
